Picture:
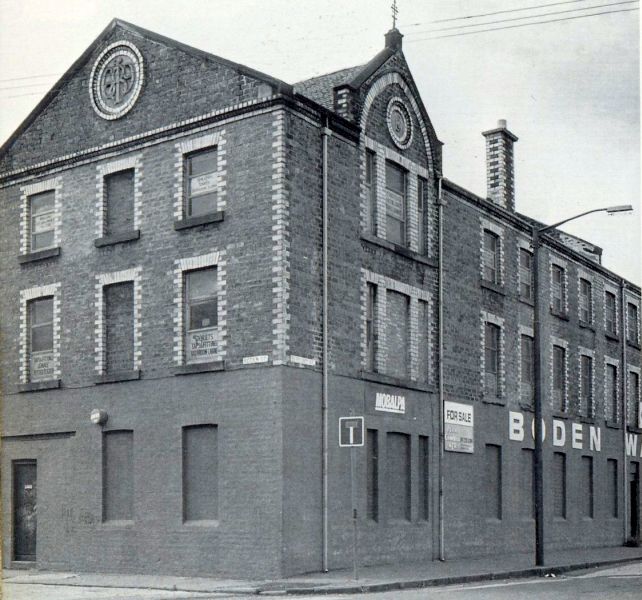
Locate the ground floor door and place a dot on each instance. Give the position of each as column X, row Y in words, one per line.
column 634, row 503
column 24, row 510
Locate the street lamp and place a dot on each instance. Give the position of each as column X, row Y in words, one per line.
column 537, row 334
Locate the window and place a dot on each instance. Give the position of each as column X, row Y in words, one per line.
column 527, row 369
column 491, row 359
column 423, row 334
column 398, row 447
column 422, row 188
column 610, row 386
column 201, row 180
column 491, row 257
column 610, row 313
column 41, row 350
column 371, row 192
column 118, row 475
column 635, row 407
column 612, row 486
column 119, row 202
column 586, row 385
column 558, row 289
column 423, row 471
column 586, row 302
column 372, row 475
column 201, row 315
column 493, row 494
column 559, row 378
column 587, row 487
column 398, row 334
column 395, row 204
column 528, row 482
column 632, row 325
column 371, row 301
column 525, row 274
column 200, row 473
column 558, row 485
column 43, row 220
column 119, row 326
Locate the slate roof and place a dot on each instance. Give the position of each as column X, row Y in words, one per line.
column 320, row 89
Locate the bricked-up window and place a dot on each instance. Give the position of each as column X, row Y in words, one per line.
column 493, row 495
column 525, row 274
column 119, row 202
column 586, row 385
column 558, row 485
column 42, row 220
column 587, row 487
column 371, row 301
column 397, row 334
column 559, row 378
column 491, row 257
column 635, row 412
column 201, row 180
column 611, row 392
column 422, row 187
column 610, row 322
column 423, row 479
column 395, row 204
column 119, row 326
column 371, row 192
column 612, row 488
column 527, row 369
column 41, row 352
column 398, row 451
column 586, row 302
column 200, row 473
column 528, row 481
column 558, row 288
column 423, row 336
column 632, row 323
column 491, row 359
column 118, row 475
column 201, row 315
column 372, row 475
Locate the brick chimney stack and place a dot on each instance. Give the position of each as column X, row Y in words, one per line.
column 500, row 171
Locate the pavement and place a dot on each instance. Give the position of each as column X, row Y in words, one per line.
column 371, row 579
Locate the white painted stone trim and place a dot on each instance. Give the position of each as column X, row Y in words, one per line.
column 630, row 299
column 181, row 266
column 522, row 330
column 586, row 410
column 108, row 168
column 555, row 341
column 554, row 260
column 32, row 189
column 26, row 296
column 616, row 292
column 487, row 225
column 102, row 280
column 609, row 360
column 633, row 404
column 582, row 274
column 487, row 317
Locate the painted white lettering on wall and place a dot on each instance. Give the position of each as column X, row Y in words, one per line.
column 390, row 403
column 632, row 445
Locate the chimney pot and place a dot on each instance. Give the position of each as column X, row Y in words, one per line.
column 501, row 123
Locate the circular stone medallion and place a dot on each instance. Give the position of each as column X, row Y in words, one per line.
column 399, row 123
column 116, row 80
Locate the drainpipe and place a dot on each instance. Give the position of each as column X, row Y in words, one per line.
column 440, row 359
column 325, row 133
column 623, row 376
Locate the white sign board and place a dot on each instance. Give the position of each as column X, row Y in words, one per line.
column 42, row 366
column 458, row 427
column 350, row 432
column 201, row 346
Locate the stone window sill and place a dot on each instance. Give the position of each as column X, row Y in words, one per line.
column 218, row 365
column 493, row 287
column 203, row 523
column 589, row 420
column 117, row 376
column 493, row 400
column 633, row 429
column 527, row 407
column 612, row 425
column 396, row 381
column 585, row 325
column 561, row 415
column 611, row 336
column 633, row 344
column 38, row 386
column 118, row 524
column 407, row 252
column 39, row 255
column 206, row 219
column 117, row 238
column 526, row 300
column 559, row 315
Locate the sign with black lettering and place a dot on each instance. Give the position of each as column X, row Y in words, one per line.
column 458, row 427
column 350, row 432
column 201, row 346
column 42, row 366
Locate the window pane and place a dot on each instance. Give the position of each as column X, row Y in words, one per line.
column 201, row 284
column 42, row 203
column 203, row 314
column 40, row 241
column 201, row 205
column 395, row 179
column 203, row 162
column 42, row 338
column 42, row 311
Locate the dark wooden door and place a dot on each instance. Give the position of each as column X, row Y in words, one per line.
column 24, row 510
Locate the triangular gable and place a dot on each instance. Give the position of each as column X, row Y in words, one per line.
column 180, row 82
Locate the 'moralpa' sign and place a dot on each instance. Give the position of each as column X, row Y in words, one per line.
column 577, row 435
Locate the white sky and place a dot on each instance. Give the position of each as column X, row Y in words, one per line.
column 569, row 90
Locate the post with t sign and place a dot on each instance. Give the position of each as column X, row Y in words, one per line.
column 351, row 436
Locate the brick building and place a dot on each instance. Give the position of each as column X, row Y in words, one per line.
column 205, row 267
